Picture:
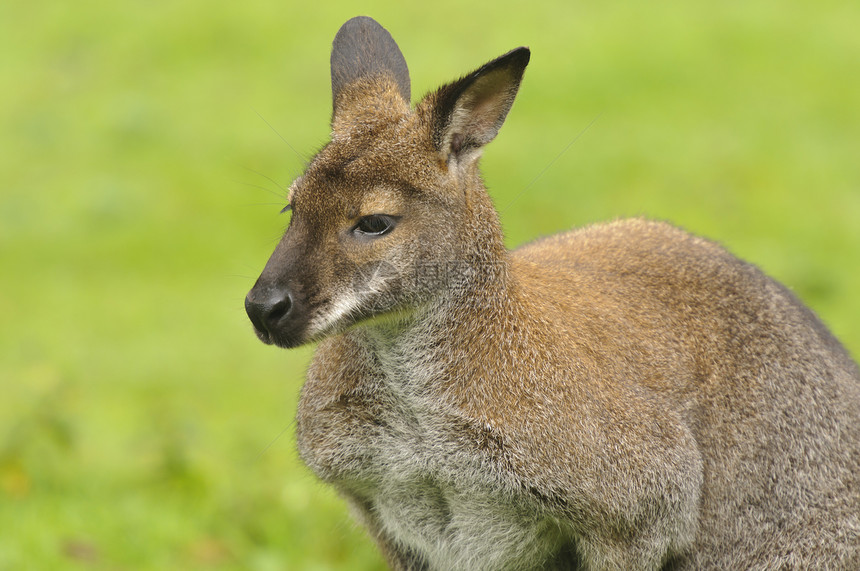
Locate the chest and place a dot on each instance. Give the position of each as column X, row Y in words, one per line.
column 432, row 478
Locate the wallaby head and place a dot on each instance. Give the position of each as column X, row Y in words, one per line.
column 393, row 197
column 622, row 396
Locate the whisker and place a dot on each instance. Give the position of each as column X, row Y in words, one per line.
column 261, row 187
column 270, row 179
column 255, row 204
column 274, row 440
column 298, row 154
column 552, row 162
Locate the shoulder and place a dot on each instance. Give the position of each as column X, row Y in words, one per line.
column 625, row 248
column 630, row 234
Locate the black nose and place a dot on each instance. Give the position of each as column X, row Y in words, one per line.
column 268, row 310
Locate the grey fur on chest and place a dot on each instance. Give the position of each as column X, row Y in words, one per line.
column 434, row 480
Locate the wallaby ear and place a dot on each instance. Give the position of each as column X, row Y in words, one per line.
column 469, row 112
column 362, row 49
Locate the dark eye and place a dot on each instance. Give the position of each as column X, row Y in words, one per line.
column 374, row 225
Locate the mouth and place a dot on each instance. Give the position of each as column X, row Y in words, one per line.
column 264, row 336
column 280, row 339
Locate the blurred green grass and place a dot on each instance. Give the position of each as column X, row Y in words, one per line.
column 142, row 425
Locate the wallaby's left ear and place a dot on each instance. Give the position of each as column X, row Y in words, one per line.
column 468, row 113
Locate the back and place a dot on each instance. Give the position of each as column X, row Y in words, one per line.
column 770, row 396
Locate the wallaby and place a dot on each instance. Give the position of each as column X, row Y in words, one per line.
column 623, row 396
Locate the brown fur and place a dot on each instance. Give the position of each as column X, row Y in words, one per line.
column 623, row 396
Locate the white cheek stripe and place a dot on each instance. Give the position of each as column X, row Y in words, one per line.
column 339, row 309
column 345, row 305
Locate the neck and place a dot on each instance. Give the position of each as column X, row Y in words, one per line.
column 462, row 316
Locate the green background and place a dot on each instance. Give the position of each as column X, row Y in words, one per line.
column 144, row 149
